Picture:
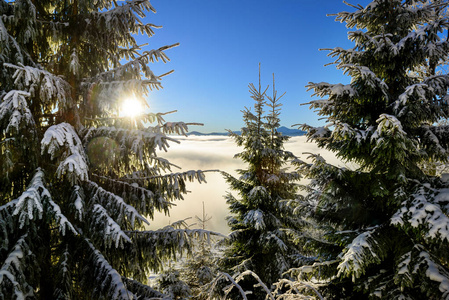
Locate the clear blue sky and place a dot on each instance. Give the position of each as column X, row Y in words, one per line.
column 221, row 44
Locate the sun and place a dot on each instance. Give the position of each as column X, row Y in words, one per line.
column 131, row 107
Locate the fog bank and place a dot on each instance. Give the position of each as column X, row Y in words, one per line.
column 210, row 153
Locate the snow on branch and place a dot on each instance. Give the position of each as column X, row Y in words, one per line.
column 388, row 125
column 258, row 192
column 10, row 46
column 413, row 36
column 334, row 90
column 418, row 93
column 108, row 281
column 136, row 66
column 78, row 202
column 438, row 84
column 413, row 263
column 317, row 133
column 14, row 110
column 158, row 117
column 141, row 142
column 49, row 86
column 3, row 32
column 126, row 16
column 170, row 239
column 436, row 272
column 64, row 276
column 431, row 140
column 8, row 208
column 179, row 128
column 255, row 276
column 318, row 162
column 348, row 56
column 436, row 135
column 111, row 230
column 363, row 251
column 131, row 188
column 382, row 43
column 29, row 205
column 12, row 271
column 227, row 289
column 390, row 134
column 190, row 175
column 296, row 289
column 114, row 204
column 63, row 142
column 315, row 269
column 127, row 188
column 7, row 223
column 60, row 218
column 436, row 48
column 368, row 76
column 343, row 131
column 255, row 219
column 412, row 13
column 273, row 237
column 143, row 290
column 424, row 211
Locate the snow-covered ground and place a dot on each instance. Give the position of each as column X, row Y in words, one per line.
column 211, row 153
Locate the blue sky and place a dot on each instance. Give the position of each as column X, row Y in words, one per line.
column 221, row 45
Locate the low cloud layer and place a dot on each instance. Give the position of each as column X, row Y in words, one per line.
column 211, row 153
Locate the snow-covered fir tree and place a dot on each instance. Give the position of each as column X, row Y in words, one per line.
column 261, row 216
column 171, row 284
column 200, row 268
column 436, row 167
column 387, row 221
column 77, row 179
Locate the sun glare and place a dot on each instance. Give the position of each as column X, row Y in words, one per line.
column 131, row 107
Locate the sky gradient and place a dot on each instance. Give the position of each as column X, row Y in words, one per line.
column 221, row 45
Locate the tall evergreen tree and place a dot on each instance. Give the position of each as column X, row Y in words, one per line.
column 387, row 221
column 261, row 217
column 77, row 180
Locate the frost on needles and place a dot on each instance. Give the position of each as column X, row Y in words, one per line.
column 386, row 222
column 77, row 180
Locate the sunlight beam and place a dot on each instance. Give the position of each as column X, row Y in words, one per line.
column 131, row 107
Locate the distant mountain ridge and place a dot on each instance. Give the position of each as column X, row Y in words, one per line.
column 284, row 130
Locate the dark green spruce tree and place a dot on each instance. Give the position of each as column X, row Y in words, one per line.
column 78, row 179
column 262, row 221
column 386, row 222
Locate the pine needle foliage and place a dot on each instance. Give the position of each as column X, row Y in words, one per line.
column 262, row 220
column 387, row 222
column 77, row 179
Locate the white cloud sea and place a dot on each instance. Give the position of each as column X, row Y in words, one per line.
column 211, row 153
